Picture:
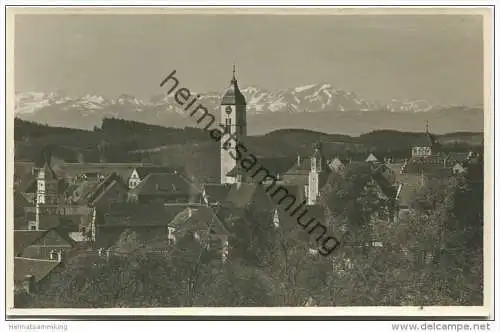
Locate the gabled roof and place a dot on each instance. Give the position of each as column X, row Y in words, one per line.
column 138, row 215
column 146, row 170
column 162, row 184
column 243, row 194
column 203, row 215
column 105, row 185
column 20, row 200
column 216, row 192
column 85, row 191
column 336, row 163
column 457, row 157
column 425, row 165
column 410, row 185
column 28, row 185
column 274, row 166
column 371, row 158
column 24, row 238
column 38, row 268
column 387, row 188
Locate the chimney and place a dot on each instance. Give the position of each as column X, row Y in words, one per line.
column 190, row 212
column 298, row 159
column 28, row 283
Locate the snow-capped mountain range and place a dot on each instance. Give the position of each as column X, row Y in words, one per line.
column 315, row 107
column 309, row 98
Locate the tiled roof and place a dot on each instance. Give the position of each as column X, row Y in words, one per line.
column 145, row 171
column 243, row 194
column 162, row 184
column 84, row 191
column 387, row 187
column 28, row 185
column 240, row 195
column 216, row 192
column 202, row 216
column 24, row 238
column 131, row 214
column 457, row 157
column 124, row 170
column 105, row 185
column 274, row 166
column 49, row 221
column 425, row 164
column 20, row 200
column 411, row 183
column 38, row 268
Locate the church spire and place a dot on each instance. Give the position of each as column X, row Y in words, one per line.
column 233, row 95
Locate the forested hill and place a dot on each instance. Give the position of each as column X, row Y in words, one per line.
column 123, row 136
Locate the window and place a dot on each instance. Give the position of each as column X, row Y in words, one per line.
column 33, row 228
column 53, row 255
column 171, row 236
column 276, row 219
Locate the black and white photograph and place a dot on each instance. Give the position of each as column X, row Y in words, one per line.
column 238, row 158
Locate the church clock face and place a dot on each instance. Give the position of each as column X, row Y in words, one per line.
column 228, row 110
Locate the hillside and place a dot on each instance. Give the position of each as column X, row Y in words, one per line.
column 127, row 136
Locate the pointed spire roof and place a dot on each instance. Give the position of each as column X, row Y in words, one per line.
column 431, row 138
column 233, row 95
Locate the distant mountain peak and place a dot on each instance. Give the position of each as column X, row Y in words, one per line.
column 322, row 98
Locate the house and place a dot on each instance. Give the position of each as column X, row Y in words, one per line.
column 202, row 224
column 46, row 244
column 458, row 169
column 337, row 165
column 140, row 173
column 165, row 188
column 311, row 174
column 27, row 188
column 426, row 146
column 31, row 274
column 78, row 171
column 275, row 167
column 371, row 158
column 146, row 219
column 214, row 193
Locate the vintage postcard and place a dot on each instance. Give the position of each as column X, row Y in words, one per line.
column 324, row 162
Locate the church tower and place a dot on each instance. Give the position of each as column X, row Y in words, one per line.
column 234, row 119
column 47, row 191
column 316, row 175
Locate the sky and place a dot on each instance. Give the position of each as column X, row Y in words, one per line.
column 438, row 58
